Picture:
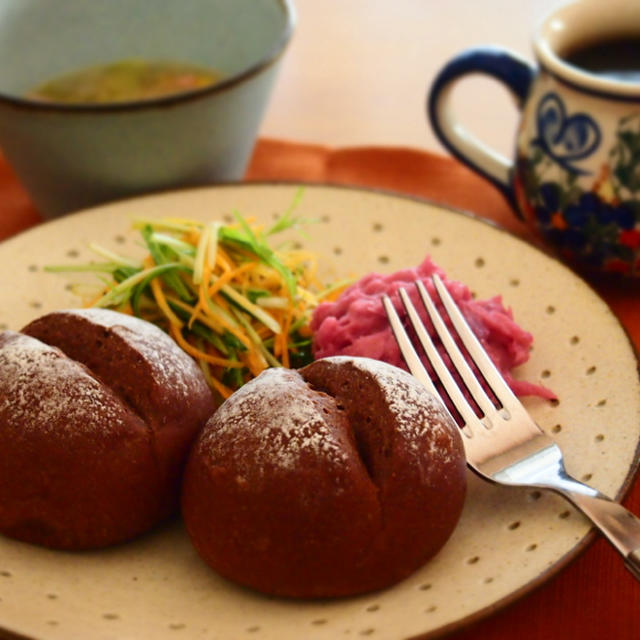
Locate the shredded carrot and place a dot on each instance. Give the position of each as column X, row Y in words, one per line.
column 95, row 299
column 222, row 389
column 207, row 320
column 228, row 276
column 192, row 237
column 176, row 333
column 234, row 331
column 305, row 331
column 223, row 259
column 255, row 362
column 161, row 301
column 286, row 325
column 202, row 301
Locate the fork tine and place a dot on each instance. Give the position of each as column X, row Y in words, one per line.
column 442, row 370
column 460, row 363
column 406, row 348
column 413, row 360
column 475, row 349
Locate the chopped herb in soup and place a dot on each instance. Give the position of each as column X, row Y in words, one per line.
column 124, row 81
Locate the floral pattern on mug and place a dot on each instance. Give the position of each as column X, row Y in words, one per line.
column 593, row 217
column 565, row 138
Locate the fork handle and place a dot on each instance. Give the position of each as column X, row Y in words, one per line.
column 618, row 524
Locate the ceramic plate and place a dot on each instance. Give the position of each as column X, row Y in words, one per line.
column 508, row 540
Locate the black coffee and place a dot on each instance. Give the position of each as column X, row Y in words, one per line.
column 618, row 59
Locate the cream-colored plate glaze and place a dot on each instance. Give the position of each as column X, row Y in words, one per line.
column 508, row 540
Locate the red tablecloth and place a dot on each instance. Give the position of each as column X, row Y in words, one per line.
column 595, row 597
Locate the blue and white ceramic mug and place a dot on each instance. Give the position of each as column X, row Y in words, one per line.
column 575, row 177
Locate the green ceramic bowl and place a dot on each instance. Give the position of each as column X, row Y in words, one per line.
column 70, row 156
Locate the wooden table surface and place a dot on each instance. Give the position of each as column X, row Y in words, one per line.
column 357, row 71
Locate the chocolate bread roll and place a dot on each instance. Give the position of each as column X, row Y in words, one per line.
column 340, row 478
column 98, row 411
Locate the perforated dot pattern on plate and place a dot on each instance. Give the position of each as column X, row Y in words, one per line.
column 157, row 586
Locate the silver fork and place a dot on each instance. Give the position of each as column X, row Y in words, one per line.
column 504, row 444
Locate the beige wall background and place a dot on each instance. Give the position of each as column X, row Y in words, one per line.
column 357, row 71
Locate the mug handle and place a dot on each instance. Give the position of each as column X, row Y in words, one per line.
column 515, row 73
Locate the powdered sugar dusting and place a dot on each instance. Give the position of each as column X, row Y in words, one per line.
column 405, row 396
column 277, row 425
column 172, row 367
column 419, row 415
column 42, row 389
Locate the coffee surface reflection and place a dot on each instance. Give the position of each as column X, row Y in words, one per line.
column 618, row 59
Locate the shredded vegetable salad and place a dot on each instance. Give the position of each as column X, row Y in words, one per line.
column 228, row 299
